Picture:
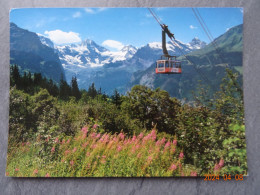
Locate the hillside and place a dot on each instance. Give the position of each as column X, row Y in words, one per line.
column 28, row 52
column 210, row 63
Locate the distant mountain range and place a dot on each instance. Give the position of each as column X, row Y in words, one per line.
column 91, row 62
column 123, row 69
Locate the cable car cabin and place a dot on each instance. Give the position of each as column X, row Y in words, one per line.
column 168, row 65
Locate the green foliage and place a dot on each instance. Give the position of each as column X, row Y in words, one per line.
column 234, row 151
column 209, row 131
column 20, row 124
column 74, row 88
column 152, row 108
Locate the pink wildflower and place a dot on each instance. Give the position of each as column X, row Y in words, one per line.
column 163, row 140
column 193, row 173
column 217, row 167
column 173, row 150
column 68, row 141
column 71, row 162
column 88, row 154
column 174, row 142
column 17, row 169
column 84, row 145
column 103, row 161
column 134, row 138
column 167, row 145
column 27, row 143
column 149, row 159
column 119, row 148
column 93, row 135
column 158, row 143
column 63, row 141
column 106, row 139
column 7, row 174
column 221, row 163
column 115, row 139
column 121, row 136
column 52, row 149
column 94, row 146
column 84, row 136
column 35, row 172
column 67, row 152
column 137, row 146
column 153, row 134
column 181, row 155
column 84, row 130
column 88, row 166
column 74, row 150
column 98, row 136
column 47, row 175
column 146, row 138
column 95, row 126
column 139, row 155
column 140, row 136
column 56, row 140
column 173, row 167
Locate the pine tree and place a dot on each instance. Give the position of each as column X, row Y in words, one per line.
column 15, row 75
column 65, row 89
column 75, row 89
column 92, row 92
column 116, row 98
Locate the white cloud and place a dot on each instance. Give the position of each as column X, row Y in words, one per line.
column 60, row 37
column 89, row 10
column 77, row 15
column 227, row 29
column 193, row 27
column 94, row 10
column 148, row 15
column 113, row 44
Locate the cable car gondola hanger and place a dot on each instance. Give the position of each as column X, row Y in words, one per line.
column 167, row 64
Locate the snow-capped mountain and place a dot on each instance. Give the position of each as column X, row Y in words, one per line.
column 45, row 41
column 91, row 62
column 196, row 43
column 125, row 53
column 90, row 54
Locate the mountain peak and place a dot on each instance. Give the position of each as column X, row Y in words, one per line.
column 88, row 42
column 197, row 43
column 128, row 48
column 45, row 41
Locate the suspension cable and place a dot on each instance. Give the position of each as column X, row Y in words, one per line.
column 155, row 16
column 208, row 33
column 178, row 47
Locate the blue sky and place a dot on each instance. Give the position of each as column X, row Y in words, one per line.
column 115, row 27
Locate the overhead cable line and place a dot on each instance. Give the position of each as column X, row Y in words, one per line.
column 178, row 47
column 209, row 35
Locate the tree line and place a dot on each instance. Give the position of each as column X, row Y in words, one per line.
column 206, row 128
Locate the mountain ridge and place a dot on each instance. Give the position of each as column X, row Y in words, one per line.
column 28, row 52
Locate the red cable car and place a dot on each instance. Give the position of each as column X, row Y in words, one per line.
column 167, row 64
